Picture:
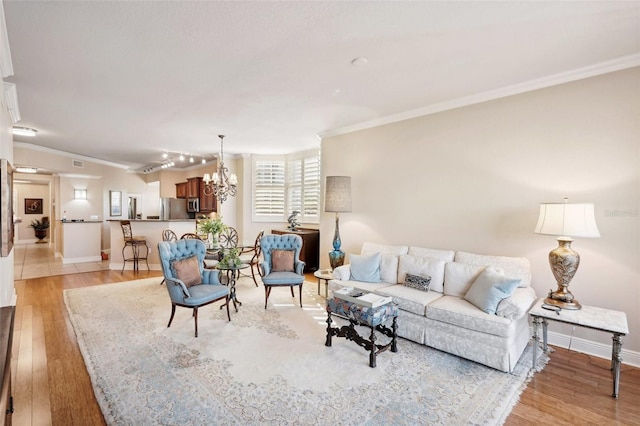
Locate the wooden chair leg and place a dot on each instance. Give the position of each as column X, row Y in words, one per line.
column 300, row 287
column 254, row 272
column 267, row 291
column 291, row 288
column 195, row 317
column 173, row 312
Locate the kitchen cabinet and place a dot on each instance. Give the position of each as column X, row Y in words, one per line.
column 208, row 203
column 310, row 246
column 181, row 190
column 193, row 187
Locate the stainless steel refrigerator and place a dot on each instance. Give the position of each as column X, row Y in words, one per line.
column 173, row 208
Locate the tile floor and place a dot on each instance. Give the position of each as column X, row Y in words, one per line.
column 35, row 260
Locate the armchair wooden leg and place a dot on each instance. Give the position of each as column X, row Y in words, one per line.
column 267, row 291
column 195, row 317
column 300, row 294
column 291, row 288
column 173, row 312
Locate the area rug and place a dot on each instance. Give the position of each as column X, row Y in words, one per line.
column 267, row 366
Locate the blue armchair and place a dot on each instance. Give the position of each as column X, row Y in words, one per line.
column 188, row 283
column 281, row 266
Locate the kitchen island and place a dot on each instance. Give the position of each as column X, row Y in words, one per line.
column 81, row 241
column 151, row 229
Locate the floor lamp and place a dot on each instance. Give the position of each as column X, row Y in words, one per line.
column 565, row 221
column 337, row 199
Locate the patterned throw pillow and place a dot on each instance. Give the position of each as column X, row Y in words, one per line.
column 282, row 260
column 417, row 282
column 188, row 271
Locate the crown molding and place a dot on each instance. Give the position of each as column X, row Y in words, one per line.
column 69, row 155
column 617, row 64
column 6, row 65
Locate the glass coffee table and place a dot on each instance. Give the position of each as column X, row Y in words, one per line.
column 365, row 309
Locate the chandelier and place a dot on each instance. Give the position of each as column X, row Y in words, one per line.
column 221, row 184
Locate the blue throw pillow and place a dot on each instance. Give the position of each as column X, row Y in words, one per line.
column 489, row 289
column 365, row 267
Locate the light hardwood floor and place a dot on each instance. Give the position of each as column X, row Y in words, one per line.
column 52, row 386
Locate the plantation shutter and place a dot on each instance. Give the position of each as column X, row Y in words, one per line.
column 269, row 194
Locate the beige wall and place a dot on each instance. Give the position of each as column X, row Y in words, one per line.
column 472, row 179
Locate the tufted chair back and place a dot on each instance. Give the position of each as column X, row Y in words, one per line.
column 281, row 242
column 181, row 249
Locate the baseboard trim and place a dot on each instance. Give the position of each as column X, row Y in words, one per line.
column 81, row 259
column 592, row 348
column 141, row 266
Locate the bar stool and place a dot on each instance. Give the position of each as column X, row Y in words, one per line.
column 135, row 243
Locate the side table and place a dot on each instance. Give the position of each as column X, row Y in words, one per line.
column 232, row 272
column 600, row 319
column 326, row 275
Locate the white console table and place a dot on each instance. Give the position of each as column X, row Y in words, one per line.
column 600, row 319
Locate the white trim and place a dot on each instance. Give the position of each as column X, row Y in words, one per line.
column 68, row 154
column 6, row 65
column 592, row 348
column 528, row 86
column 11, row 100
column 81, row 259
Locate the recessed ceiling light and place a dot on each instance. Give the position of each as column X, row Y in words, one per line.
column 165, row 154
column 24, row 131
column 359, row 61
column 22, row 169
column 181, row 157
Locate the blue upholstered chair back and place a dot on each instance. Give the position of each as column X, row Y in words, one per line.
column 180, row 249
column 280, row 242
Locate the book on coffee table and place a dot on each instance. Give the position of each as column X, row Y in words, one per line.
column 368, row 300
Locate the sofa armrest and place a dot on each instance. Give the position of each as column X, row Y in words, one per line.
column 342, row 273
column 518, row 304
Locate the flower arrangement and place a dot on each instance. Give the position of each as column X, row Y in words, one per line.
column 231, row 258
column 211, row 226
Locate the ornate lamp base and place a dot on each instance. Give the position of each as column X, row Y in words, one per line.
column 336, row 258
column 564, row 262
column 560, row 299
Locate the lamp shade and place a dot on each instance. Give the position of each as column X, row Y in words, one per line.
column 338, row 194
column 567, row 220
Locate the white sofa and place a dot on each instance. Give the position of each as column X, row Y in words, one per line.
column 441, row 317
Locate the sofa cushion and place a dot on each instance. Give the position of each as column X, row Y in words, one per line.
column 489, row 289
column 426, row 266
column 456, row 311
column 369, row 287
column 446, row 255
column 409, row 299
column 365, row 267
column 458, row 278
column 419, row 282
column 388, row 260
column 515, row 267
column 517, row 306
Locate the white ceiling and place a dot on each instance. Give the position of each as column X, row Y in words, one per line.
column 123, row 81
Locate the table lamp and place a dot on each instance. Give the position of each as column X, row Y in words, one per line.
column 565, row 221
column 337, row 199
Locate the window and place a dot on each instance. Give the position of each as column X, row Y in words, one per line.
column 283, row 184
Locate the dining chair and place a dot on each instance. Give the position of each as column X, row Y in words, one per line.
column 251, row 256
